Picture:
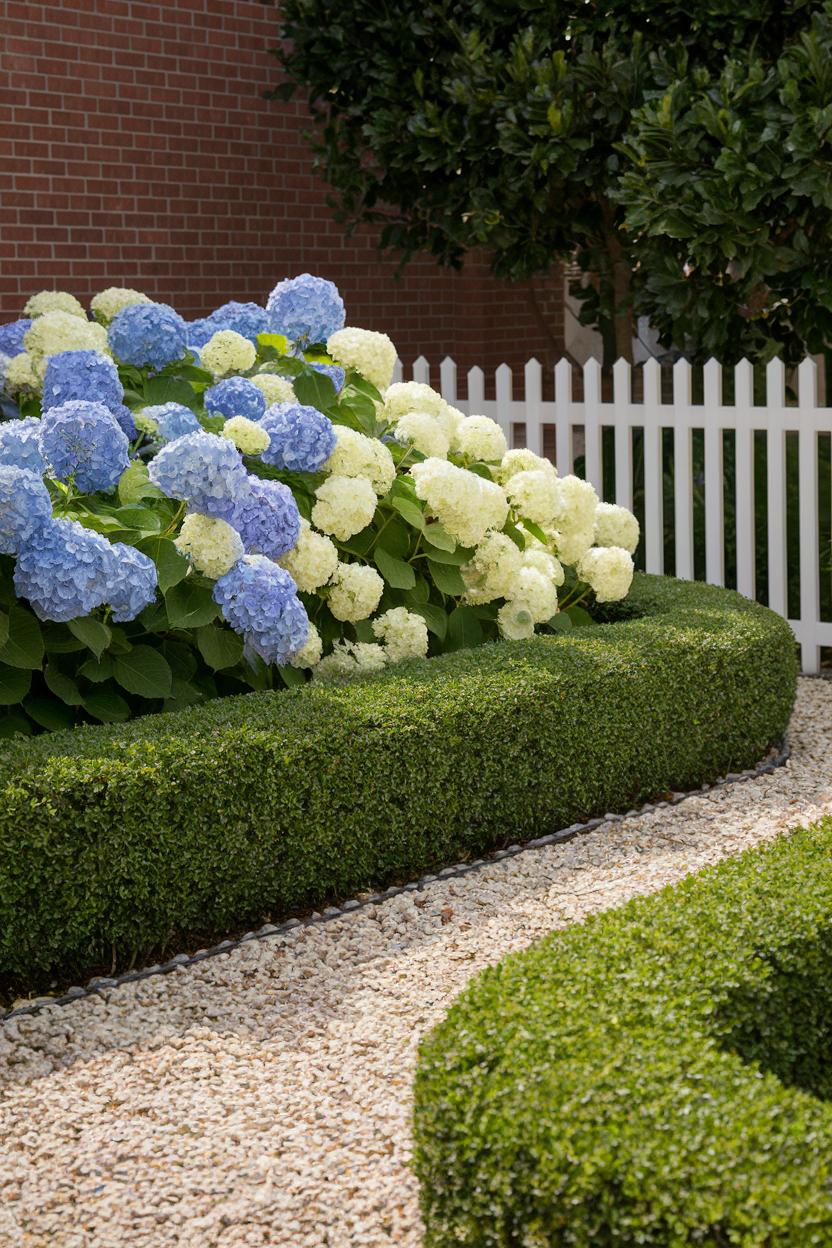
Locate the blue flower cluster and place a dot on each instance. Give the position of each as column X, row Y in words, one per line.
column 25, row 508
column 126, row 423
column 334, row 372
column 173, row 420
column 203, row 469
column 149, row 335
column 81, row 375
column 248, row 319
column 235, row 396
column 301, row 438
column 199, row 332
column 306, row 308
column 11, row 337
column 83, row 440
column 20, row 444
column 259, row 600
column 66, row 571
column 266, row 516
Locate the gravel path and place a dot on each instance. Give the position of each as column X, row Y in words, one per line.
column 262, row 1097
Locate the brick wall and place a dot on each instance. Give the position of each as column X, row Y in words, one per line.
column 143, row 154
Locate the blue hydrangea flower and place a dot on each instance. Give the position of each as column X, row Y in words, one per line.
column 334, row 372
column 11, row 337
column 203, row 469
column 81, row 375
column 149, row 335
column 266, row 516
column 301, row 438
column 173, row 420
column 259, row 600
column 20, row 444
column 199, row 332
column 25, row 508
column 306, row 307
column 66, row 571
column 126, row 423
column 135, row 587
column 83, row 440
column 235, row 396
column 248, row 319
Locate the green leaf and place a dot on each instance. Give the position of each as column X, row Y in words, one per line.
column 535, row 531
column 464, row 629
column 219, row 647
column 97, row 670
column 57, row 639
column 141, row 518
column 135, row 484
column 171, row 566
column 437, row 536
column 50, row 714
column 516, row 536
column 435, row 617
column 24, row 647
column 4, row 628
column 394, row 537
column 315, row 390
column 63, row 687
column 143, row 671
column 106, row 705
column 14, row 685
column 183, row 694
column 409, row 511
column 447, row 579
column 15, row 723
column 579, row 616
column 190, row 605
column 292, row 677
column 160, row 390
column 94, row 634
column 277, row 341
column 454, row 558
column 397, row 573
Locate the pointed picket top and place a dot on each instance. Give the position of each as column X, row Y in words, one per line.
column 744, row 384
column 421, row 371
column 447, row 380
column 807, row 382
column 398, row 371
column 533, row 381
column 682, row 377
column 563, row 381
column 502, row 379
column 775, row 383
column 713, row 383
column 592, row 381
column 476, row 389
column 652, row 373
column 621, row 381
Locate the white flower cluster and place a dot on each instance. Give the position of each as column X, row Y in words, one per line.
column 480, row 437
column 212, row 545
column 372, row 355
column 108, row 303
column 616, row 526
column 344, row 506
column 356, row 455
column 466, row 504
column 608, row 570
column 351, row 658
column 312, row 561
column 53, row 301
column 428, row 434
column 227, row 352
column 355, row 592
column 273, row 388
column 20, row 375
column 248, row 437
column 494, row 569
column 404, row 633
column 310, row 652
column 55, row 331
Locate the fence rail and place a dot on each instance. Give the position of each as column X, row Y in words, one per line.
column 699, row 472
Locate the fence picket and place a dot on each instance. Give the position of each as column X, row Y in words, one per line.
column 808, row 469
column 503, row 384
column 592, row 424
column 447, row 380
column 476, row 390
column 744, row 425
column 714, row 475
column 421, row 371
column 622, row 397
column 776, row 486
column 563, row 417
column 683, row 469
column 533, row 399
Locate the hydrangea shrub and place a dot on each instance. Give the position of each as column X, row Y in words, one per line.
column 249, row 501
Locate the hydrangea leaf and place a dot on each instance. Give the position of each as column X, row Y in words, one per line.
column 394, row 537
column 14, row 684
column 315, row 390
column 464, row 629
column 49, row 714
column 24, row 647
column 190, row 605
column 455, row 558
column 219, row 647
column 142, row 518
column 4, row 628
column 277, row 342
column 171, row 567
column 435, row 618
column 97, row 670
column 95, row 635
column 437, row 536
column 409, row 511
column 160, row 390
column 447, row 579
column 144, row 671
column 292, row 676
column 106, row 705
column 134, row 485
column 63, row 686
column 397, row 573
column 579, row 616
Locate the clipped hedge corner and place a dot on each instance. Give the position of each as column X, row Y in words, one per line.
column 207, row 819
column 659, row 1075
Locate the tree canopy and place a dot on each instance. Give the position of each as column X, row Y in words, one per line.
column 680, row 153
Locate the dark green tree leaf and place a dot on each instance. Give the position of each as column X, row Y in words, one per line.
column 144, row 671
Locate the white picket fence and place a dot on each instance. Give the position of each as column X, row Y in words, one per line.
column 581, row 423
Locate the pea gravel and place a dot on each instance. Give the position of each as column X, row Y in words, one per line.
column 261, row 1097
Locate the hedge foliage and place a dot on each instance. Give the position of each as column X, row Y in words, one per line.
column 122, row 836
column 658, row 1075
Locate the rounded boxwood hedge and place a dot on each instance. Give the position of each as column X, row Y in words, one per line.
column 658, row 1076
column 116, row 839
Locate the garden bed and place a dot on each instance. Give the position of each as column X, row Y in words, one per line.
column 114, row 841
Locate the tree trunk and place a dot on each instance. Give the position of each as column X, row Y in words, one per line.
column 621, row 309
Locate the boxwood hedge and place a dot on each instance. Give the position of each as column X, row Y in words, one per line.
column 657, row 1076
column 118, row 838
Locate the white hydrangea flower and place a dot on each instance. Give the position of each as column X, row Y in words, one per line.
column 310, row 652
column 351, row 658
column 534, row 495
column 411, row 396
column 212, row 545
column 616, row 526
column 372, row 355
column 480, row 437
column 52, row 332
column 274, row 389
column 108, row 303
column 425, row 432
column 227, row 352
column 573, row 543
column 53, row 301
column 515, row 622
column 466, row 504
column 404, row 633
column 451, row 418
column 608, row 570
column 345, row 506
column 523, row 460
column 312, row 561
column 544, row 562
column 355, row 591
column 537, row 593
column 20, row 374
column 493, row 571
column 356, row 455
column 248, row 437
column 574, row 522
